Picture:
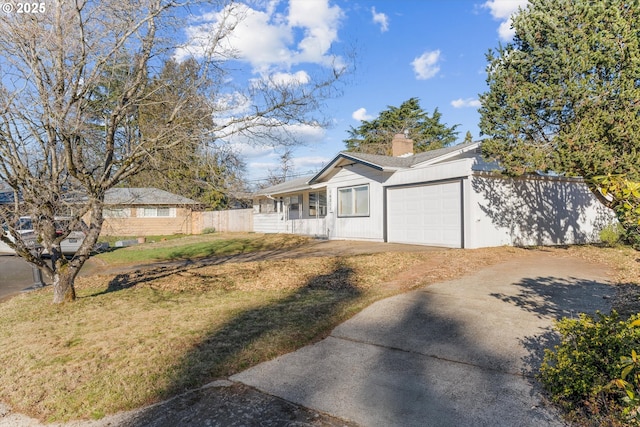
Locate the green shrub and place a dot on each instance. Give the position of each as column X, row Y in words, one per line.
column 209, row 230
column 579, row 372
column 629, row 383
column 612, row 234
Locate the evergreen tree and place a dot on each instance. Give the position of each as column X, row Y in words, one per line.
column 468, row 138
column 198, row 168
column 563, row 97
column 427, row 132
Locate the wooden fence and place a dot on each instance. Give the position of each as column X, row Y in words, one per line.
column 229, row 220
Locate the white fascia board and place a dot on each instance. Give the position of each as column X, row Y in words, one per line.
column 448, row 155
column 332, row 164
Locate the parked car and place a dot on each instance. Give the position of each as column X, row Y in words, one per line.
column 68, row 246
column 4, row 248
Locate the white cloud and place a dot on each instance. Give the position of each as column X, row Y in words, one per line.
column 361, row 114
column 283, row 79
column 468, row 102
column 232, row 104
column 260, row 138
column 320, row 23
column 310, row 163
column 265, row 38
column 426, row 65
column 380, row 19
column 506, row 31
column 503, row 10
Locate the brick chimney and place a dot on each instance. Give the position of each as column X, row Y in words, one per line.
column 401, row 146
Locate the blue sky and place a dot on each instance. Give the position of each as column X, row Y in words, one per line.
column 430, row 49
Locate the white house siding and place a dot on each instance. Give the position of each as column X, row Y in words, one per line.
column 269, row 223
column 532, row 211
column 310, row 227
column 357, row 228
column 432, row 173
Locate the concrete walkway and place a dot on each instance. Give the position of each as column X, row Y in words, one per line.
column 454, row 353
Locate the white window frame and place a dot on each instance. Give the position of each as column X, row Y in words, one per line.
column 294, row 202
column 152, row 212
column 318, row 207
column 267, row 206
column 350, row 192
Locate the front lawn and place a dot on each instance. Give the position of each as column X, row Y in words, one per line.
column 136, row 338
column 162, row 248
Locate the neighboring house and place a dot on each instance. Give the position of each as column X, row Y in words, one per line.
column 448, row 197
column 145, row 212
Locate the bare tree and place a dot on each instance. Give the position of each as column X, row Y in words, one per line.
column 284, row 170
column 64, row 140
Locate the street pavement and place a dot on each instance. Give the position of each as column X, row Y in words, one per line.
column 454, row 353
column 15, row 275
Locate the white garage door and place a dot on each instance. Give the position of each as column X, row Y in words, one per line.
column 425, row 215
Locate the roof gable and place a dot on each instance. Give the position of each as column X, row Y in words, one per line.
column 392, row 164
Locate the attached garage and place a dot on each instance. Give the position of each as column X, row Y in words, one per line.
column 429, row 214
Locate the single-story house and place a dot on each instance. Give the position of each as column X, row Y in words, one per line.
column 141, row 212
column 145, row 212
column 449, row 197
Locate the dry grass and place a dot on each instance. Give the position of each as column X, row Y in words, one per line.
column 208, row 245
column 158, row 333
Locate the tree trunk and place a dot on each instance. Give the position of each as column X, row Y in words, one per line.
column 63, row 288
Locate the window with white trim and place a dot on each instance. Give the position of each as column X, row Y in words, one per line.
column 293, row 202
column 318, row 204
column 353, row 201
column 157, row 212
column 267, row 206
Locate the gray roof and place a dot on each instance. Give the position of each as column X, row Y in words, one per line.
column 372, row 160
column 389, row 163
column 144, row 196
column 407, row 161
column 296, row 184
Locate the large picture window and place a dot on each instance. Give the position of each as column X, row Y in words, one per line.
column 318, row 204
column 353, row 201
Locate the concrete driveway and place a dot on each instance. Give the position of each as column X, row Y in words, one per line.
column 454, row 353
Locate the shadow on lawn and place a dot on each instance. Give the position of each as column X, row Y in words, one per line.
column 132, row 276
column 294, row 319
column 251, row 337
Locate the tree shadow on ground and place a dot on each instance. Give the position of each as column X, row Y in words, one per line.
column 554, row 298
column 422, row 358
column 132, row 276
column 442, row 335
column 248, row 338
